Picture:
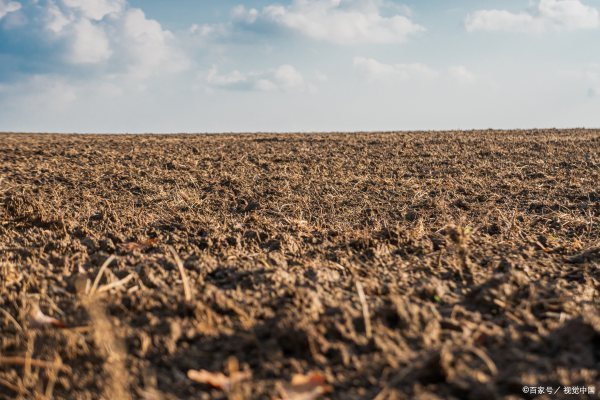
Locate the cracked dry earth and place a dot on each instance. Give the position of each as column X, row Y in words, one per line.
column 446, row 265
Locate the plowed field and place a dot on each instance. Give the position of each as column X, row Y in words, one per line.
column 424, row 265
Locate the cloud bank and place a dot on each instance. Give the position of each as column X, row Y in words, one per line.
column 343, row 22
column 7, row 7
column 376, row 71
column 103, row 34
column 549, row 15
column 284, row 78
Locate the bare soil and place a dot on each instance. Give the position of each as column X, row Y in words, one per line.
column 446, row 265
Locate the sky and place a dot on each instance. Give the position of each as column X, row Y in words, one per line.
column 300, row 65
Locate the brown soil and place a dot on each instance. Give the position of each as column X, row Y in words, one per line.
column 452, row 265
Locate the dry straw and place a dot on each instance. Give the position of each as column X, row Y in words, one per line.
column 187, row 290
column 365, row 309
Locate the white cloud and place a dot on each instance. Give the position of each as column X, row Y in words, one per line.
column 148, row 46
column 288, row 78
column 96, row 9
column 549, row 15
column 111, row 32
column 337, row 21
column 569, row 14
column 55, row 20
column 284, row 78
column 462, row 74
column 377, row 71
column 232, row 80
column 6, row 7
column 500, row 20
column 241, row 14
column 206, row 30
column 374, row 70
column 90, row 43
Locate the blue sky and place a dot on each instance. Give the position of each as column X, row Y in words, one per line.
column 300, row 65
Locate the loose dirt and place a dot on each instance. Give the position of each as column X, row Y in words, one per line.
column 447, row 265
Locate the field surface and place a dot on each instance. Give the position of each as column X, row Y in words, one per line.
column 448, row 265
